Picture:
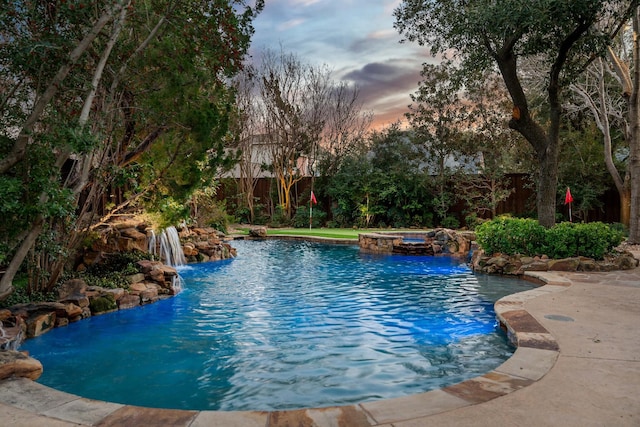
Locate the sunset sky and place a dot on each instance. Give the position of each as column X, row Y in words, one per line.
column 356, row 39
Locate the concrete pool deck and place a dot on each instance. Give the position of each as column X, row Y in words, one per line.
column 577, row 364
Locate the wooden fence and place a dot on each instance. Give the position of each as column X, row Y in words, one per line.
column 520, row 202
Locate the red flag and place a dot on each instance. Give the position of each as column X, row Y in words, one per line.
column 313, row 198
column 567, row 198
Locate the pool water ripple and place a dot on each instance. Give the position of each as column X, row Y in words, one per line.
column 288, row 325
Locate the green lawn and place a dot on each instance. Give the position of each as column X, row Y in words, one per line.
column 332, row 233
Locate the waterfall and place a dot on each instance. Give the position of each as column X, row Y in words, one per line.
column 153, row 244
column 170, row 247
column 176, row 284
column 9, row 343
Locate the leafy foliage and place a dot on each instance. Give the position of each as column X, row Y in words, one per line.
column 22, row 295
column 559, row 35
column 112, row 273
column 564, row 240
column 511, row 236
column 301, row 217
column 109, row 104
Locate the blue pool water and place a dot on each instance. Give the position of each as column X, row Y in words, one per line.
column 288, row 325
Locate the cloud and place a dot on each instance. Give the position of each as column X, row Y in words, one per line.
column 385, row 87
column 304, row 2
column 292, row 23
column 354, row 38
column 381, row 78
column 382, row 34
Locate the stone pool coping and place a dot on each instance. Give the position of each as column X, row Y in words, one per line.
column 27, row 403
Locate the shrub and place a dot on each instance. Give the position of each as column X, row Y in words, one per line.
column 112, row 272
column 450, row 222
column 595, row 239
column 21, row 294
column 279, row 218
column 301, row 218
column 564, row 240
column 511, row 236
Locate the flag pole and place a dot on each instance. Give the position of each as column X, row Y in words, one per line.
column 568, row 198
column 312, row 201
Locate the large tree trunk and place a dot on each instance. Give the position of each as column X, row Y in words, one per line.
column 545, row 144
column 625, row 206
column 547, row 184
column 634, row 143
column 6, row 282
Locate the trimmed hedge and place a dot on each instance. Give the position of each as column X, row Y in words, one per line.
column 564, row 240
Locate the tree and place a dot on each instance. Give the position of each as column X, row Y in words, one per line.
column 632, row 94
column 606, row 106
column 438, row 118
column 383, row 182
column 92, row 88
column 246, row 133
column 345, row 131
column 485, row 34
column 503, row 151
column 608, row 91
column 293, row 96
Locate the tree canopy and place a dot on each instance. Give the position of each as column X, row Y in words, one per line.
column 481, row 35
column 106, row 94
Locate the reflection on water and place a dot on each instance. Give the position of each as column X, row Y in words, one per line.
column 288, row 325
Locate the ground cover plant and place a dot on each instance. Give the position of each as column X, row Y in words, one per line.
column 527, row 237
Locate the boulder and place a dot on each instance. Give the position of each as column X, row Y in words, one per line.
column 168, row 271
column 117, row 293
column 79, row 300
column 40, row 323
column 71, row 288
column 566, row 264
column 538, row 265
column 189, row 249
column 101, row 304
column 203, row 245
column 72, row 311
column 135, row 278
column 61, row 322
column 128, row 301
column 136, row 288
column 156, row 275
column 150, row 294
column 146, row 265
column 626, row 261
column 513, row 267
column 499, row 261
column 258, row 232
column 128, row 224
column 133, row 233
column 16, row 364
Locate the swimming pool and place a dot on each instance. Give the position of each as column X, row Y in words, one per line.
column 288, row 325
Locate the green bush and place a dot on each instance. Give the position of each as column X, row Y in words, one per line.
column 103, row 303
column 279, row 218
column 511, row 236
column 564, row 240
column 21, row 294
column 113, row 271
column 301, row 218
column 450, row 222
